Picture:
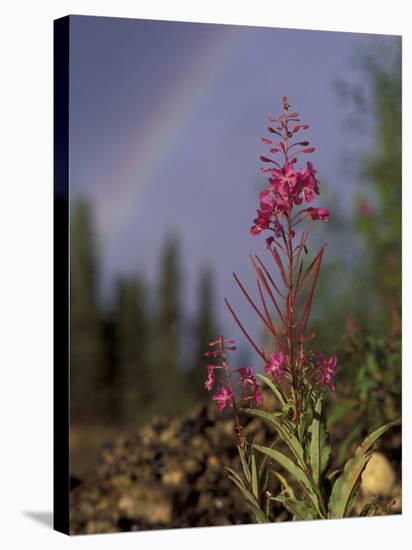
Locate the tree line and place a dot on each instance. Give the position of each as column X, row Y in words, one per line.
column 128, row 360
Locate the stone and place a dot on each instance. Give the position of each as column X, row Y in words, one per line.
column 379, row 476
column 146, row 503
column 173, row 478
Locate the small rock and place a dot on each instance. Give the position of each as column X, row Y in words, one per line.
column 146, row 503
column 378, row 477
column 173, row 478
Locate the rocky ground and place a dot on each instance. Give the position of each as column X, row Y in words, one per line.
column 171, row 474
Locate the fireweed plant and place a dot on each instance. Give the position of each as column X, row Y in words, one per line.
column 299, row 376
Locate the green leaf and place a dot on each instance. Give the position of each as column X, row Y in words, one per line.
column 263, row 480
column 343, row 496
column 235, row 475
column 285, row 431
column 319, row 450
column 287, row 463
column 273, row 387
column 305, row 420
column 371, row 438
column 285, row 485
column 247, row 494
column 255, row 485
column 333, row 474
column 299, row 509
column 251, row 500
column 294, row 471
column 263, row 471
column 244, row 463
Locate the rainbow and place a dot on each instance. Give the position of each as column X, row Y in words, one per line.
column 144, row 156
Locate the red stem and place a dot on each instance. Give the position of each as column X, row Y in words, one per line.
column 262, row 265
column 242, row 328
column 289, row 299
column 268, row 324
column 262, row 297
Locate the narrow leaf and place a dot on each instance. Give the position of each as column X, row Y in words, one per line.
column 267, row 314
column 293, row 470
column 300, row 510
column 344, row 490
column 285, row 485
column 244, row 463
column 262, row 279
column 235, row 475
column 255, row 485
column 371, row 438
column 285, row 433
column 251, row 501
column 273, row 387
column 319, row 450
column 268, row 275
column 278, row 261
column 308, row 305
column 313, row 267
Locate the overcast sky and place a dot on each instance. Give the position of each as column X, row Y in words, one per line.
column 165, row 127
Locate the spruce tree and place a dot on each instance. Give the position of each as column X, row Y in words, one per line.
column 85, row 338
column 170, row 395
column 204, row 331
column 133, row 389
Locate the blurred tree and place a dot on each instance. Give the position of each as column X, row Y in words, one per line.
column 369, row 380
column 383, row 169
column 85, row 337
column 204, row 331
column 378, row 210
column 133, row 390
column 110, row 383
column 169, row 390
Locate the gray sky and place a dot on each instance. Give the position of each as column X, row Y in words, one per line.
column 166, row 120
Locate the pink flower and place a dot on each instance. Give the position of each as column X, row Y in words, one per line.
column 261, row 222
column 284, row 182
column 267, row 199
column 321, row 214
column 271, row 202
column 246, row 377
column 309, row 183
column 277, row 227
column 287, row 188
column 210, row 380
column 287, row 185
column 255, row 230
column 257, row 396
column 326, row 370
column 223, row 398
column 276, row 365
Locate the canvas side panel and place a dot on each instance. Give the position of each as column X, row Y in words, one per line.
column 61, row 275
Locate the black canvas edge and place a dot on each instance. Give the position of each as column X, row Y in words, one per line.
column 61, row 405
